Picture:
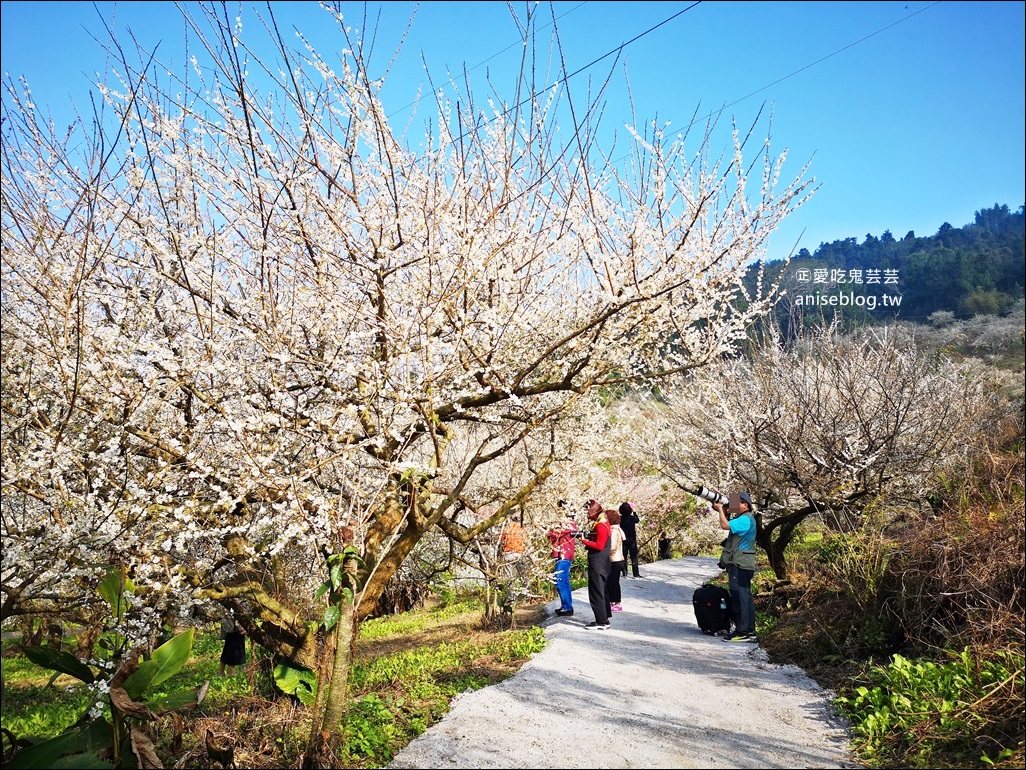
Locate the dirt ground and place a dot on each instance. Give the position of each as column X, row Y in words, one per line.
column 652, row 691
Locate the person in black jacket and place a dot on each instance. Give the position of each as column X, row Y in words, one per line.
column 233, row 653
column 629, row 524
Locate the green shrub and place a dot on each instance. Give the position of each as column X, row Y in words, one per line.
column 856, row 563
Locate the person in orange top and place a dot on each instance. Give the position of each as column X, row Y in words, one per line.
column 598, row 564
column 516, row 567
column 513, row 540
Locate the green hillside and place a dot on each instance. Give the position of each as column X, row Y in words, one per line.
column 977, row 269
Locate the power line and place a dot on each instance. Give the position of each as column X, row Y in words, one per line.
column 667, row 20
column 578, row 71
column 807, row 66
column 499, row 53
column 618, row 49
column 823, row 59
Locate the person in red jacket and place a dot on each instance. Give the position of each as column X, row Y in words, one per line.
column 597, row 544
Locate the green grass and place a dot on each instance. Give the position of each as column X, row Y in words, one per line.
column 38, row 703
column 415, row 621
column 399, row 694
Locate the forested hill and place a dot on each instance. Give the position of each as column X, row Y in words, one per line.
column 979, row 268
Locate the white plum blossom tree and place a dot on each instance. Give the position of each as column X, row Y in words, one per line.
column 254, row 340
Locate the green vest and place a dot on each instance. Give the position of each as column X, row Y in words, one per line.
column 733, row 553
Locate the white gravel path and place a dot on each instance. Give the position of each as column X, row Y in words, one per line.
column 650, row 692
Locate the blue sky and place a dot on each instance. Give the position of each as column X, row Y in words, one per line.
column 912, row 113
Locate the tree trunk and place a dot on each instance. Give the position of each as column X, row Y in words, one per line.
column 284, row 633
column 333, row 678
column 378, row 568
column 784, row 525
column 333, row 694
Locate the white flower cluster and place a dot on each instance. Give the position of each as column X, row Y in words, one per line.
column 101, row 692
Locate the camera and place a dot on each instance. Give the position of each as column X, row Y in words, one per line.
column 712, row 497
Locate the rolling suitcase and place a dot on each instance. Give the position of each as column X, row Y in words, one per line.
column 712, row 609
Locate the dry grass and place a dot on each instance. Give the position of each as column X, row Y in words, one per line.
column 959, row 578
column 951, row 582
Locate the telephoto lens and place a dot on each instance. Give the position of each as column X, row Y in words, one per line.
column 712, row 497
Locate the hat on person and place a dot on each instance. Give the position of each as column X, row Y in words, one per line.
column 746, row 498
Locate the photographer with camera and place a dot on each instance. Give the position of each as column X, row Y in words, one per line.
column 563, row 549
column 738, row 559
column 598, row 564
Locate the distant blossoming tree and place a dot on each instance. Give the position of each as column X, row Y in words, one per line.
column 254, row 341
column 826, row 427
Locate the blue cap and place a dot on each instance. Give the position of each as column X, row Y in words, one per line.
column 745, row 497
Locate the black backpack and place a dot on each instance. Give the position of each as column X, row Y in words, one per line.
column 712, row 609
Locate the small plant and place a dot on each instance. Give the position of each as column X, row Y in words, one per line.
column 370, row 728
column 121, row 741
column 926, row 714
column 112, row 732
column 300, row 682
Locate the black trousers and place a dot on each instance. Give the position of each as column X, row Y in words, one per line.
column 613, row 593
column 598, row 571
column 630, row 554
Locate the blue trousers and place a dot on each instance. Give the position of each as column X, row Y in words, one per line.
column 739, row 583
column 566, row 599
